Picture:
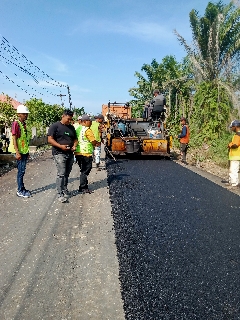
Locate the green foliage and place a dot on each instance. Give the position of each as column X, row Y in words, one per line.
column 212, row 107
column 78, row 112
column 169, row 76
column 42, row 115
column 7, row 113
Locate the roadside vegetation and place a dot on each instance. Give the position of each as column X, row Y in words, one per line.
column 204, row 87
column 41, row 115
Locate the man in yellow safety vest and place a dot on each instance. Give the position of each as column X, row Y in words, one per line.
column 234, row 154
column 96, row 129
column 83, row 153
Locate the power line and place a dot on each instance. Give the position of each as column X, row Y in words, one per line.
column 12, row 56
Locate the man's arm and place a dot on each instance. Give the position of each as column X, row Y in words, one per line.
column 54, row 143
column 91, row 138
column 18, row 155
column 183, row 133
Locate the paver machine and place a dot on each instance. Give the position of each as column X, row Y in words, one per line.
column 134, row 136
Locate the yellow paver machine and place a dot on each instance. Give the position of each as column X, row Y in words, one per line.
column 134, row 136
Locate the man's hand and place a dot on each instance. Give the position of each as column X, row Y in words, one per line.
column 65, row 147
column 18, row 156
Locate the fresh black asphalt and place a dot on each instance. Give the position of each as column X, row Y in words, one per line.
column 178, row 242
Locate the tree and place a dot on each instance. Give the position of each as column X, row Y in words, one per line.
column 215, row 58
column 42, row 115
column 78, row 112
column 7, row 112
column 171, row 77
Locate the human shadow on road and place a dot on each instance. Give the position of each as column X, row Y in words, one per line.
column 41, row 189
column 93, row 186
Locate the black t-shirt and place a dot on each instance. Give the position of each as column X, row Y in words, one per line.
column 63, row 134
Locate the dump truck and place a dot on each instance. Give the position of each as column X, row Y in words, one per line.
column 134, row 136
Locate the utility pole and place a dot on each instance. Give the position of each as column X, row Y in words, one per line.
column 69, row 95
column 61, row 95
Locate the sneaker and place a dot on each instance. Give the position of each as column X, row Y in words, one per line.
column 27, row 192
column 87, row 191
column 232, row 186
column 66, row 193
column 81, row 190
column 22, row 194
column 61, row 198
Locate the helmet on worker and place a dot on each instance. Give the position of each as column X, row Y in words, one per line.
column 22, row 109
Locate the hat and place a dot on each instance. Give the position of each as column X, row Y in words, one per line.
column 100, row 116
column 183, row 119
column 79, row 118
column 22, row 109
column 156, row 91
column 235, row 123
column 85, row 117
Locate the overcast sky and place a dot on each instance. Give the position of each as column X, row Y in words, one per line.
column 94, row 46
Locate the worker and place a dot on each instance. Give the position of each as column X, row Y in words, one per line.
column 78, row 122
column 96, row 128
column 234, row 154
column 122, row 127
column 184, row 137
column 62, row 136
column 20, row 146
column 158, row 105
column 87, row 142
column 145, row 114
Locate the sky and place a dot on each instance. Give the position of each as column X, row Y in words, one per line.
column 93, row 46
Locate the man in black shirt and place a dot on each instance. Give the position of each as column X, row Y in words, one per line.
column 62, row 136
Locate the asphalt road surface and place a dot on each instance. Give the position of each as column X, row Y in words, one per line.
column 163, row 245
column 178, row 242
column 58, row 260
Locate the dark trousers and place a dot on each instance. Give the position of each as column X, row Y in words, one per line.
column 21, row 166
column 64, row 163
column 183, row 149
column 85, row 165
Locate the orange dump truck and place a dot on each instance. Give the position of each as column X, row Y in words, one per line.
column 128, row 136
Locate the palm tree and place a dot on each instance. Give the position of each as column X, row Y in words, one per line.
column 214, row 55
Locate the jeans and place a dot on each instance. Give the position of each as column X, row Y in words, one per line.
column 85, row 165
column 64, row 163
column 97, row 153
column 21, row 166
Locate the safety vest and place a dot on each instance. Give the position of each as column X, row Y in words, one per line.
column 85, row 144
column 22, row 141
column 78, row 129
column 187, row 137
column 234, row 153
column 95, row 129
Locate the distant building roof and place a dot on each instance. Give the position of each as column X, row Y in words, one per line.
column 14, row 103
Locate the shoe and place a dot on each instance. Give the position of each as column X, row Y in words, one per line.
column 27, row 192
column 61, row 198
column 231, row 186
column 66, row 193
column 22, row 194
column 82, row 190
column 87, row 191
